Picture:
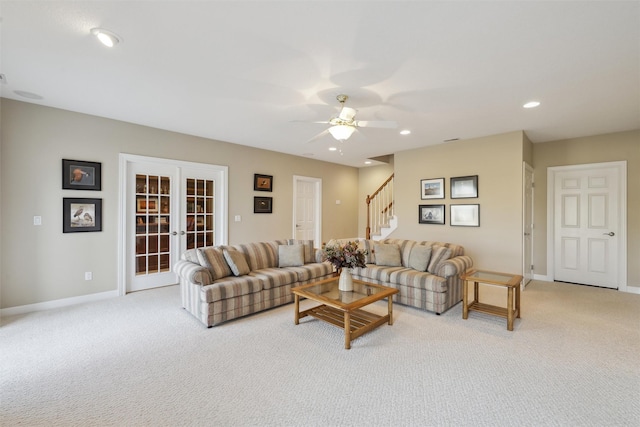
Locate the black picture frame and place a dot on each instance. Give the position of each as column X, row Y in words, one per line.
column 431, row 214
column 81, row 215
column 81, row 175
column 262, row 182
column 465, row 215
column 262, row 204
column 432, row 188
column 464, row 187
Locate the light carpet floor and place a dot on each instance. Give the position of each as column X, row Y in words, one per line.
column 140, row 360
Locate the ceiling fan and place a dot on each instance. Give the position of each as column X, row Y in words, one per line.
column 344, row 124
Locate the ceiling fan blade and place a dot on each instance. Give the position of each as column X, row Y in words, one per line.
column 326, row 122
column 318, row 136
column 347, row 114
column 376, row 124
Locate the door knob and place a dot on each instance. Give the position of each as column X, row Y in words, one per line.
column 174, row 233
column 611, row 233
column 182, row 233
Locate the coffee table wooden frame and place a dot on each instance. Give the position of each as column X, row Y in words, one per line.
column 510, row 281
column 348, row 316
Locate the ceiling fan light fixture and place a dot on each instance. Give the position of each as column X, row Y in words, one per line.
column 106, row 37
column 341, row 132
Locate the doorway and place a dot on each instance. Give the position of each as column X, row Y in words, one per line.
column 166, row 207
column 527, row 224
column 307, row 208
column 586, row 224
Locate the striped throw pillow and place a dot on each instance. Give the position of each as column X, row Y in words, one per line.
column 438, row 255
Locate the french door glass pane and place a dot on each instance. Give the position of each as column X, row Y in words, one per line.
column 200, row 213
column 153, row 209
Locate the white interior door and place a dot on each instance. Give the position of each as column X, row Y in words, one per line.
column 527, row 225
column 588, row 225
column 307, row 208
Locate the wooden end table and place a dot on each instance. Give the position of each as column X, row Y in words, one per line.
column 510, row 281
column 343, row 309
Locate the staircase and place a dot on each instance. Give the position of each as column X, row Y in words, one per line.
column 381, row 219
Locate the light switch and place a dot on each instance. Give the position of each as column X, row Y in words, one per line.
column 338, row 202
column 37, row 220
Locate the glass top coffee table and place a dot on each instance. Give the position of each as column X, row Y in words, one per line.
column 343, row 309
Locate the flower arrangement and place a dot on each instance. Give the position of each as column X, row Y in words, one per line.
column 344, row 256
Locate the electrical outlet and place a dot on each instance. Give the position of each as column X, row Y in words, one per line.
column 88, row 275
column 238, row 218
column 37, row 220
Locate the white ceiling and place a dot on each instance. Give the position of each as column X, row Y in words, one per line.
column 248, row 72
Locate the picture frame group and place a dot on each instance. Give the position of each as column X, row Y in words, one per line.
column 461, row 215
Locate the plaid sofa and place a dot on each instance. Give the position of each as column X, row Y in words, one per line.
column 426, row 273
column 220, row 283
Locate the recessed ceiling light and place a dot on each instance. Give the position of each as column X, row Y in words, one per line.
column 367, row 162
column 405, row 132
column 332, row 148
column 531, row 104
column 26, row 94
column 106, row 37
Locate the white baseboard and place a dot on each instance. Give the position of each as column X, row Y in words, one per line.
column 64, row 302
column 628, row 289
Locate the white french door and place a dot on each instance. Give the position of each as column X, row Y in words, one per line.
column 166, row 207
column 589, row 224
column 307, row 207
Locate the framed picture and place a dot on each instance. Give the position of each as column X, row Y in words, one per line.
column 262, row 204
column 81, row 215
column 432, row 188
column 262, row 182
column 144, row 205
column 465, row 215
column 81, row 175
column 464, row 187
column 431, row 214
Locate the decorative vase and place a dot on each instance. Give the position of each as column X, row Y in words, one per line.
column 345, row 283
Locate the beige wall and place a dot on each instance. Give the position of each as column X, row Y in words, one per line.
column 40, row 263
column 497, row 160
column 592, row 149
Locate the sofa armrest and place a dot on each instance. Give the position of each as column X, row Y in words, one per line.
column 454, row 266
column 192, row 272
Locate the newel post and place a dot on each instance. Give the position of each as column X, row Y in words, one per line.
column 368, row 230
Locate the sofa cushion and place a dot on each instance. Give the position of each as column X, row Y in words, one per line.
column 275, row 277
column 369, row 246
column 388, row 254
column 230, row 287
column 377, row 273
column 418, row 279
column 260, row 254
column 420, row 257
column 438, row 254
column 290, row 255
column 405, row 248
column 237, row 262
column 311, row 271
column 213, row 259
column 307, row 245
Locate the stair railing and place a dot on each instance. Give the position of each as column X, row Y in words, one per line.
column 380, row 207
